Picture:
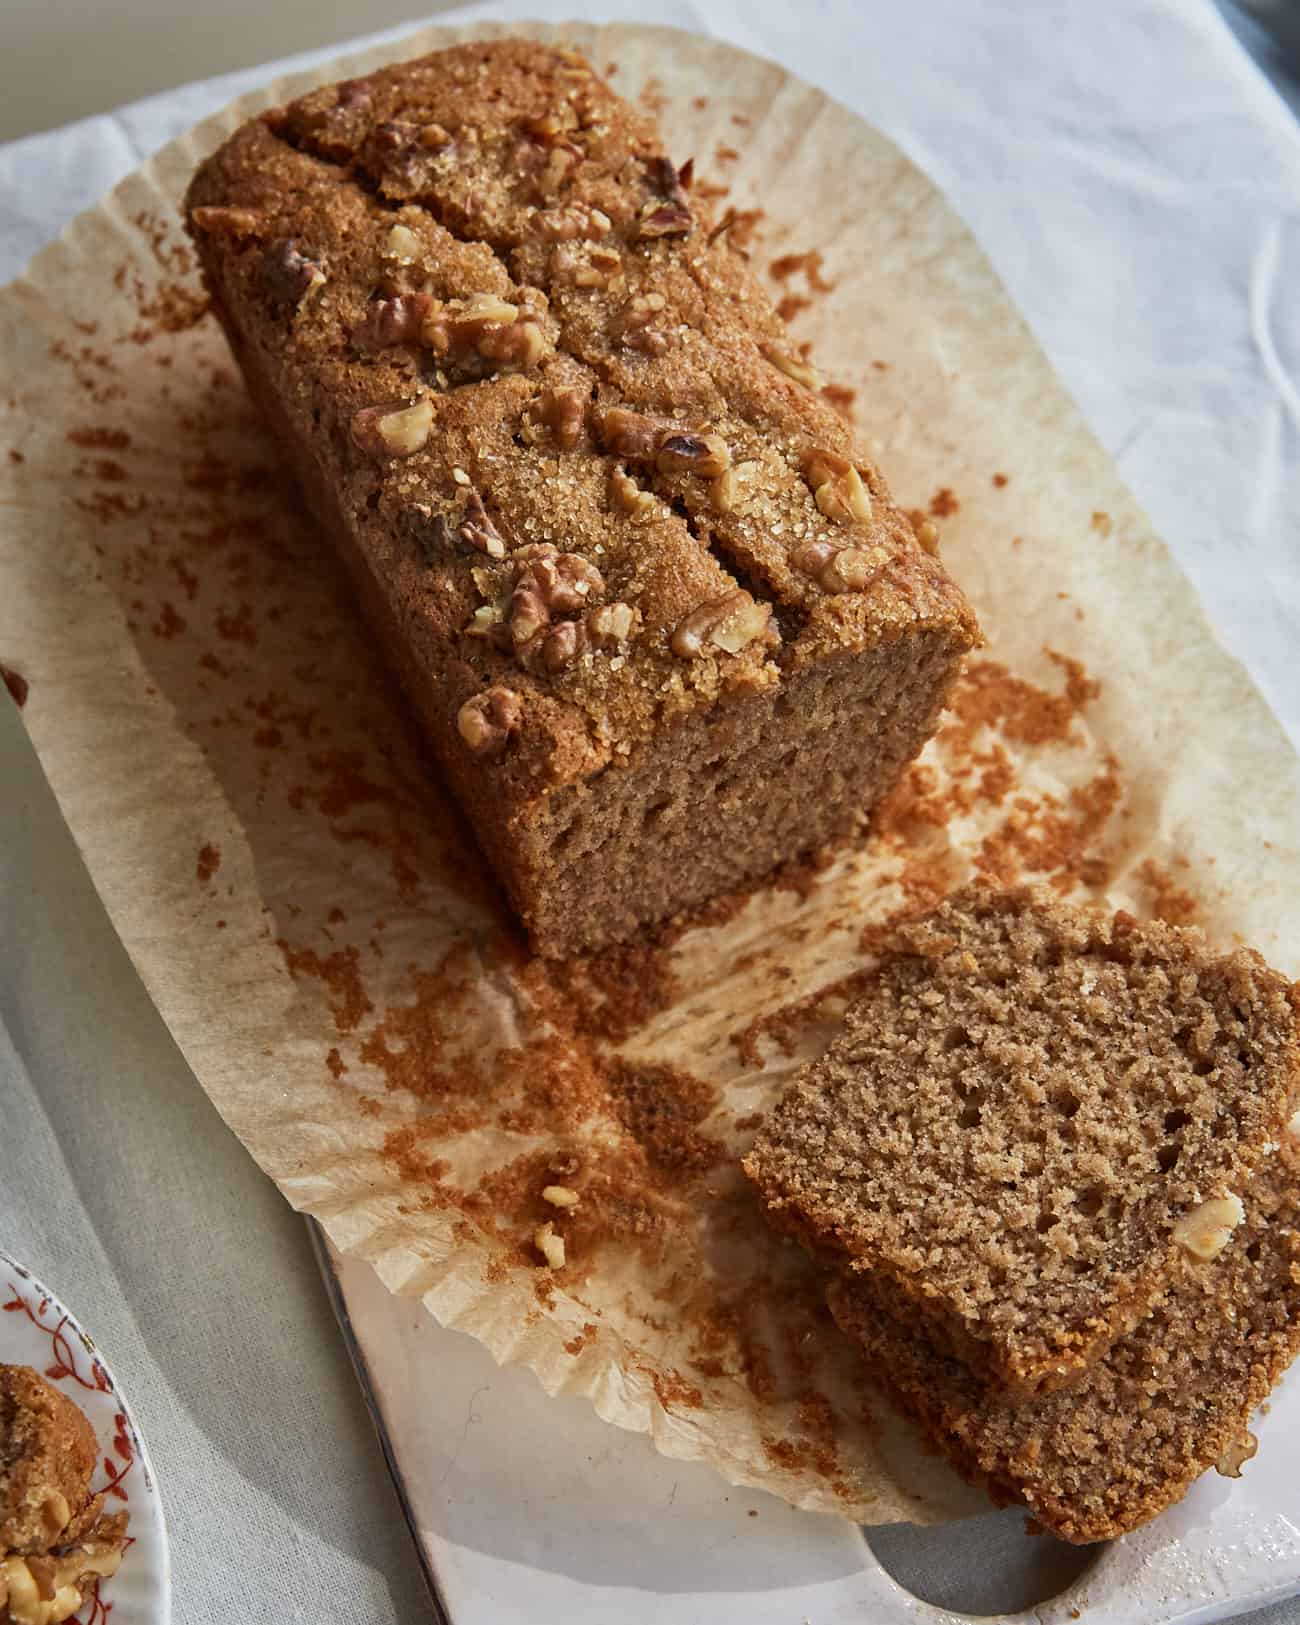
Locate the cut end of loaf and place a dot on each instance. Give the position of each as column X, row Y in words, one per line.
column 1031, row 1122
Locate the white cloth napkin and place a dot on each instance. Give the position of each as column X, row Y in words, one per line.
column 1136, row 183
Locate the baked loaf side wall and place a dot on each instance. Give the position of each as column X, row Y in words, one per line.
column 591, row 497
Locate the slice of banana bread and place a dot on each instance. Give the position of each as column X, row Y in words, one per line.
column 1166, row 1402
column 1029, row 1121
column 661, row 620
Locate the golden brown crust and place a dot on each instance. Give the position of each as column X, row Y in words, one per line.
column 1029, row 1120
column 553, row 419
column 1168, row 1401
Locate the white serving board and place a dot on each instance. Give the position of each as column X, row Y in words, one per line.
column 531, row 1509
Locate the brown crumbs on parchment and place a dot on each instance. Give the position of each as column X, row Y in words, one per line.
column 402, row 1148
column 16, row 683
column 1102, row 523
column 739, row 226
column 823, row 1006
column 699, row 103
column 237, row 628
column 606, row 995
column 943, row 504
column 723, row 154
column 169, row 624
column 587, row 1335
column 1000, row 480
column 340, row 975
column 672, row 1390
column 208, row 862
column 662, row 1107
column 841, row 398
column 791, row 305
column 809, row 263
column 15, row 456
column 336, row 1064
column 1167, row 900
column 99, row 438
column 989, row 695
column 652, row 99
column 1043, row 836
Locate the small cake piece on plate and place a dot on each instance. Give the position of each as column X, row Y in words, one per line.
column 1032, row 1122
column 1165, row 1403
column 54, row 1534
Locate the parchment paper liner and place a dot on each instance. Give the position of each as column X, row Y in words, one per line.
column 251, row 803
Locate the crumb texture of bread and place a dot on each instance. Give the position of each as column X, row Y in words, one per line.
column 661, row 620
column 1034, row 1120
column 1166, row 1402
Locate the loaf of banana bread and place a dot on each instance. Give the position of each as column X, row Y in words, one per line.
column 662, row 622
column 1034, row 1122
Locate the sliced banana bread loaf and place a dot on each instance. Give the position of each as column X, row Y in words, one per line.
column 661, row 620
column 1167, row 1401
column 1031, row 1121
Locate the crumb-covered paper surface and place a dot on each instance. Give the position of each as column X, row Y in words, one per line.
column 313, row 921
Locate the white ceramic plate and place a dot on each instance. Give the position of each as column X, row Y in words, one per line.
column 36, row 1330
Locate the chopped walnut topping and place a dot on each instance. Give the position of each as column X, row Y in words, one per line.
column 1207, row 1229
column 1235, row 1455
column 610, row 625
column 476, row 529
column 801, row 371
column 596, row 268
column 550, row 1245
column 670, row 447
column 395, row 430
column 393, row 135
column 388, row 322
column 837, row 487
column 575, row 220
column 658, row 219
column 487, row 327
column 680, row 453
column 629, row 434
column 547, row 584
column 669, row 180
column 548, row 128
column 487, row 721
column 563, row 645
column 927, row 535
column 728, row 623
column 637, row 328
column 560, row 1196
column 218, row 221
column 562, row 411
column 722, row 491
column 564, row 582
column 289, row 276
column 840, row 569
column 628, row 497
column 402, row 246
